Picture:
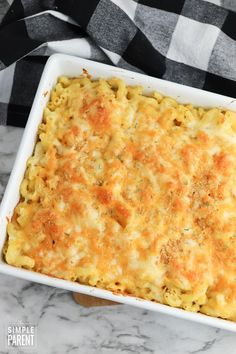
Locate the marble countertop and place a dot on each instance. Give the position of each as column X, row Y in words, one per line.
column 65, row 327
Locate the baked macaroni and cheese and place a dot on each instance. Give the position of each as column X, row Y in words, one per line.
column 131, row 193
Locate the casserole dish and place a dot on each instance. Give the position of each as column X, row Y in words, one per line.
column 59, row 65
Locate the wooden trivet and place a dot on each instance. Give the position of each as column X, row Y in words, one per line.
column 90, row 301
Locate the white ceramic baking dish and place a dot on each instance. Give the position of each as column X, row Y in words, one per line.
column 56, row 66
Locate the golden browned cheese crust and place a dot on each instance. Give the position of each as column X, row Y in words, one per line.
column 131, row 193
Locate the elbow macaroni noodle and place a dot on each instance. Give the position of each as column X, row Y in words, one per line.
column 131, row 193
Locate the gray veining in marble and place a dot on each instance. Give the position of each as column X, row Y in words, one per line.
column 64, row 327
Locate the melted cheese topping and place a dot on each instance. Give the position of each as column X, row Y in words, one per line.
column 133, row 194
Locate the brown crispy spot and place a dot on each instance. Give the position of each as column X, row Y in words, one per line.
column 104, row 195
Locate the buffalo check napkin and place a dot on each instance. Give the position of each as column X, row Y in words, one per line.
column 191, row 42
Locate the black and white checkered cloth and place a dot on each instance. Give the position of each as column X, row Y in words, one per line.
column 192, row 42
